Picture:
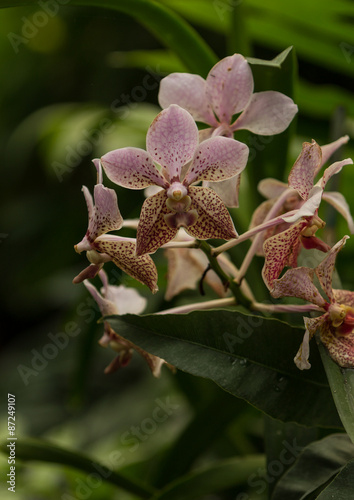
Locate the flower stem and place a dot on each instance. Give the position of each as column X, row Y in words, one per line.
column 208, row 304
column 226, row 280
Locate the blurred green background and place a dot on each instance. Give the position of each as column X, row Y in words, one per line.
column 75, row 85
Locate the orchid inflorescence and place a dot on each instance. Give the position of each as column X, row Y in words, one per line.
column 196, row 175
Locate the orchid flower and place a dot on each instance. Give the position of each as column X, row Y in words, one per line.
column 172, row 143
column 283, row 247
column 121, row 300
column 104, row 216
column 336, row 325
column 226, row 92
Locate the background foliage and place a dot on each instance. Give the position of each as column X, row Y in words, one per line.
column 61, row 92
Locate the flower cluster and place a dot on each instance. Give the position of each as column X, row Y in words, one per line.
column 196, row 175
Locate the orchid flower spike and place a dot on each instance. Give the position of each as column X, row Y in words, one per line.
column 336, row 325
column 172, row 144
column 100, row 247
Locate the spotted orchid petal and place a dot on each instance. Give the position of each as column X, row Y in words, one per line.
column 229, row 86
column 271, row 188
column 153, row 231
column 214, row 220
column 172, row 139
column 302, row 357
column 267, row 113
column 227, row 190
column 345, row 297
column 333, row 169
column 104, row 215
column 132, row 168
column 329, row 149
column 122, row 252
column 277, row 251
column 217, row 159
column 298, row 283
column 340, row 347
column 338, row 201
column 304, row 170
column 324, row 270
column 188, row 91
column 308, row 209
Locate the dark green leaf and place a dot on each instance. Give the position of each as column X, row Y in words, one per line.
column 34, row 449
column 342, row 486
column 341, row 381
column 212, row 478
column 315, row 466
column 167, row 26
column 248, row 356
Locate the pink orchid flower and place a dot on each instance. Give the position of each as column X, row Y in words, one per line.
column 172, row 143
column 282, row 244
column 336, row 325
column 104, row 216
column 121, row 300
column 226, row 92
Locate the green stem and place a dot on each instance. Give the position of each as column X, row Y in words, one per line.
column 227, row 281
column 167, row 26
column 238, row 40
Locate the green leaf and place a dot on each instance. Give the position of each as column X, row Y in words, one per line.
column 177, row 460
column 166, row 25
column 34, row 449
column 342, row 486
column 315, row 466
column 249, row 356
column 341, row 381
column 212, row 478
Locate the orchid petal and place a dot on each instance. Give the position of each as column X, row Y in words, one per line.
column 271, row 188
column 338, row 201
column 132, row 168
column 227, row 190
column 88, row 273
column 267, row 113
column 105, row 305
column 340, row 347
column 302, row 356
column 334, row 169
column 325, row 269
column 312, row 242
column 217, row 159
column 141, row 268
column 305, row 167
column 332, row 147
column 345, row 297
column 229, row 86
column 214, row 220
column 298, row 283
column 172, row 139
column 153, row 232
column 310, row 206
column 205, row 133
column 126, row 300
column 277, row 250
column 188, row 91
